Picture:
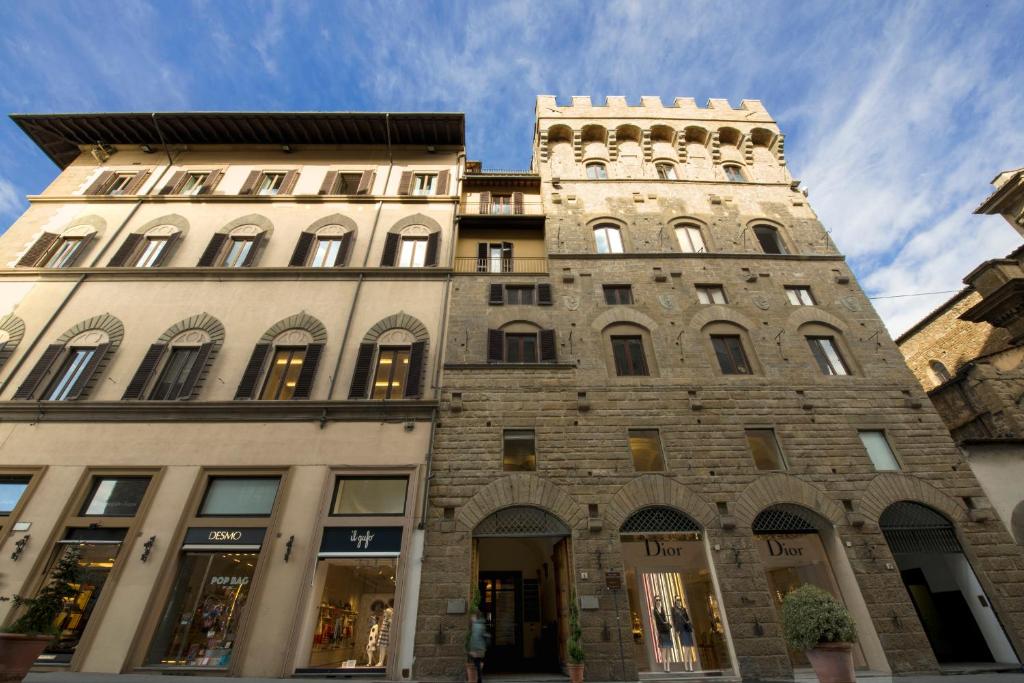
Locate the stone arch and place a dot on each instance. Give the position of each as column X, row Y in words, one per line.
column 1017, row 522
column 696, row 134
column 333, row 219
column 521, row 489
column 720, row 313
column 300, row 321
column 761, row 137
column 651, row 490
column 663, row 133
column 773, row 489
column 260, row 221
column 517, row 322
column 887, row 488
column 559, row 133
column 399, row 320
column 107, row 323
column 593, row 132
column 601, row 220
column 625, row 315
column 203, row 321
column 804, row 315
column 97, row 223
column 730, row 136
column 788, row 245
column 14, row 327
column 628, row 132
column 173, row 219
column 416, row 219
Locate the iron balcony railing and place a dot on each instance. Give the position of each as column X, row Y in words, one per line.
column 497, row 207
column 527, row 264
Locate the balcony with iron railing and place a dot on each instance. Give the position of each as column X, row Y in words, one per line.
column 501, row 266
column 500, row 208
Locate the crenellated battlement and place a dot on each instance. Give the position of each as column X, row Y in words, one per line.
column 651, row 106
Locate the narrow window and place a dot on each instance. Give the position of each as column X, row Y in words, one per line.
column 239, row 497
column 879, row 451
column 326, row 252
column 501, row 205
column 270, row 184
column 666, row 171
column 608, row 239
column 413, row 253
column 283, row 374
column 516, row 295
column 423, row 184
column 392, row 372
column 175, row 373
column 370, row 496
column 63, row 256
column 495, row 257
column 520, row 348
column 66, row 378
column 690, row 239
column 120, row 183
column 940, row 371
column 11, row 490
column 597, row 171
column 828, row 357
column 711, row 294
column 731, row 357
column 799, row 296
column 618, row 294
column 519, row 450
column 238, row 251
column 764, row 448
column 629, row 355
column 150, row 254
column 733, row 173
column 768, row 237
column 115, row 496
column 193, row 183
column 347, row 183
column 645, row 445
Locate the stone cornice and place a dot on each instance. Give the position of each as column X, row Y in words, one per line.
column 509, row 366
column 244, row 198
column 704, row 255
column 196, row 273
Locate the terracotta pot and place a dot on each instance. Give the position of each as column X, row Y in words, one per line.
column 833, row 662
column 470, row 672
column 18, row 653
column 575, row 672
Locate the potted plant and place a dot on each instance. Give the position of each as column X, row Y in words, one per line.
column 24, row 640
column 818, row 624
column 575, row 644
column 474, row 610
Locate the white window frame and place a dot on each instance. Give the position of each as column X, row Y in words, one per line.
column 270, row 183
column 828, row 346
column 600, row 170
column 65, row 253
column 423, row 184
column 691, row 239
column 119, row 184
column 238, row 250
column 800, row 295
column 60, row 390
column 666, row 170
column 412, row 252
column 326, row 251
column 608, row 239
column 734, row 173
column 194, row 182
column 154, row 246
column 883, row 462
column 711, row 294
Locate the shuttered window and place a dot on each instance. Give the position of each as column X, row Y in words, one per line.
column 826, row 353
column 283, row 376
column 64, row 253
column 175, row 373
column 237, row 254
column 392, row 372
column 413, row 252
column 71, row 371
column 270, row 184
column 628, row 352
column 519, row 295
column 193, row 183
column 152, row 252
column 347, row 183
column 423, row 184
column 520, row 348
column 731, row 357
column 120, row 183
column 325, row 255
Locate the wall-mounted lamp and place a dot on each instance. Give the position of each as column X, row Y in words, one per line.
column 146, row 148
column 147, row 548
column 287, row 149
column 19, row 546
column 288, row 547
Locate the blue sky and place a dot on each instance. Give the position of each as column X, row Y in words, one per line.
column 897, row 115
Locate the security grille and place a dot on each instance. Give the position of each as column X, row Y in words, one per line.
column 521, row 521
column 785, row 519
column 658, row 520
column 914, row 528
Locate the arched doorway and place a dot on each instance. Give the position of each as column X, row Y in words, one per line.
column 523, row 572
column 954, row 611
column 666, row 558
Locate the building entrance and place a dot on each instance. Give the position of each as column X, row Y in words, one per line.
column 954, row 611
column 523, row 574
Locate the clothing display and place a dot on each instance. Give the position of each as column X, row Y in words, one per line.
column 662, row 626
column 682, row 624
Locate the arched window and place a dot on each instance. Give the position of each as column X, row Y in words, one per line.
column 521, row 342
column 66, row 369
column 730, row 344
column 173, row 366
column 597, row 171
column 734, row 173
column 414, row 246
column 768, row 238
column 283, row 363
column 826, row 345
column 608, row 239
column 666, row 170
column 940, row 371
column 691, row 241
column 629, row 345
column 237, row 248
column 62, row 250
column 391, row 360
column 327, row 247
column 149, row 249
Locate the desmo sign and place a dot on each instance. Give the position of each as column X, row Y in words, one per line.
column 216, row 535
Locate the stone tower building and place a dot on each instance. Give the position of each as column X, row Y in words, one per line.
column 663, row 389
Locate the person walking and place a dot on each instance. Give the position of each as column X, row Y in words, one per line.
column 478, row 637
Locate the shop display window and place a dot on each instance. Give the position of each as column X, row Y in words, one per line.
column 370, row 496
column 115, row 496
column 207, row 605
column 239, row 497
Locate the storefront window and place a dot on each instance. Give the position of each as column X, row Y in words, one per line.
column 11, row 489
column 207, row 605
column 239, row 497
column 115, row 496
column 370, row 496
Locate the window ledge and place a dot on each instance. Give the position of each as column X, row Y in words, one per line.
column 702, row 255
column 220, row 273
column 510, row 366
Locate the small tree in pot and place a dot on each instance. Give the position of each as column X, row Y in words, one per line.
column 574, row 647
column 25, row 639
column 818, row 624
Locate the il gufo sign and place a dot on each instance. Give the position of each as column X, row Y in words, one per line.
column 343, row 541
column 226, row 537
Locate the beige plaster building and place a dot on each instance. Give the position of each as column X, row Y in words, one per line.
column 220, row 355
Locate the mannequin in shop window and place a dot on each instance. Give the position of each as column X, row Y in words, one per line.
column 664, row 629
column 384, row 635
column 371, row 641
column 684, row 628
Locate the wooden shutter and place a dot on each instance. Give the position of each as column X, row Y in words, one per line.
column 497, row 295
column 485, row 203
column 390, row 249
column 361, row 373
column 495, row 346
column 304, row 384
column 250, row 182
column 327, row 186
column 548, row 352
column 121, row 256
column 414, row 379
column 211, row 182
column 174, row 184
column 35, row 376
column 517, row 203
column 165, row 253
column 252, row 372
column 99, row 354
column 288, row 182
column 366, row 183
column 102, row 182
column 301, row 252
column 137, row 386
column 433, row 239
column 36, row 252
column 212, row 249
column 404, row 182
column 83, row 246
column 135, row 184
column 544, row 294
column 343, row 251
column 5, row 353
column 507, row 264
column 442, row 183
column 188, row 388
column 481, row 256
column 254, row 251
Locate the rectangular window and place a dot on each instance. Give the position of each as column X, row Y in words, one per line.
column 392, row 372
column 115, row 496
column 629, row 356
column 521, row 348
column 64, row 254
column 878, row 450
column 597, row 172
column 522, row 296
column 691, row 241
column 501, row 205
column 238, row 251
column 120, row 183
column 347, row 183
column 827, row 354
column 731, row 357
column 194, row 183
column 618, row 294
column 764, row 448
column 800, row 296
column 666, row 171
column 152, row 248
column 66, row 378
column 423, row 184
column 370, row 496
column 325, row 255
column 176, row 370
column 734, row 174
column 711, row 294
column 270, row 184
column 608, row 240
column 519, row 451
column 645, row 445
column 11, row 490
column 283, row 374
column 239, row 497
column 413, row 253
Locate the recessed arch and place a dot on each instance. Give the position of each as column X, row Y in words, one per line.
column 719, row 313
column 628, row 132
column 417, row 219
column 778, row 488
column 521, row 520
column 520, row 489
column 333, row 219
column 761, row 137
column 730, row 136
column 887, row 488
column 105, row 322
column 258, row 220
column 173, row 219
column 399, row 320
column 619, row 315
column 663, row 133
column 593, row 132
column 559, row 133
column 806, row 315
column 696, row 134
column 202, row 321
column 299, row 321
column 13, row 328
column 651, row 490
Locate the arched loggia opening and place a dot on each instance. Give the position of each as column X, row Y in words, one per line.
column 522, row 565
column 954, row 611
